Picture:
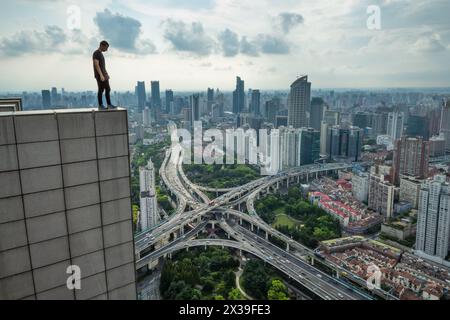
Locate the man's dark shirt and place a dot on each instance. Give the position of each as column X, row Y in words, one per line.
column 98, row 55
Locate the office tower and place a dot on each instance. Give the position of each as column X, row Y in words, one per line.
column 271, row 111
column 362, row 120
column 445, row 123
column 411, row 157
column 156, row 98
column 344, row 142
column 255, row 103
column 209, row 100
column 316, row 115
column 437, row 146
column 281, row 121
column 187, row 118
column 379, row 123
column 146, row 117
column 433, row 220
column 139, row 130
column 169, row 101
column 195, row 108
column 217, row 110
column 360, row 186
column 149, row 208
column 299, row 102
column 239, row 97
column 178, row 104
column 309, row 146
column 381, row 195
column 409, row 189
column 418, row 126
column 65, row 200
column 141, row 95
column 249, row 120
column 46, row 100
column 289, row 147
column 330, row 118
column 395, row 125
column 54, row 96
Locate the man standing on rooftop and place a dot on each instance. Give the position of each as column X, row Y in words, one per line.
column 101, row 75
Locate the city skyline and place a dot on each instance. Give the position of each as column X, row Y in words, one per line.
column 247, row 151
column 268, row 45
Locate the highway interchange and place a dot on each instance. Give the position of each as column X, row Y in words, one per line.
column 195, row 211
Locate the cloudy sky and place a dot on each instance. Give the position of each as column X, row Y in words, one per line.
column 193, row 44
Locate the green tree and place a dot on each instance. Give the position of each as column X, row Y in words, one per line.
column 235, row 294
column 135, row 214
column 277, row 291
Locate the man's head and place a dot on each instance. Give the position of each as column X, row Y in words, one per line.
column 104, row 45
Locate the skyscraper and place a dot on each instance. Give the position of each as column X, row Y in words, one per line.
column 169, row 101
column 146, row 117
column 46, row 100
column 195, row 108
column 271, row 112
column 210, row 100
column 149, row 208
column 141, row 95
column 395, row 125
column 239, row 96
column 330, row 118
column 156, row 96
column 299, row 102
column 362, row 120
column 309, row 146
column 289, row 147
column 445, row 123
column 418, row 125
column 344, row 142
column 411, row 157
column 255, row 103
column 65, row 201
column 433, row 220
column 316, row 115
column 54, row 96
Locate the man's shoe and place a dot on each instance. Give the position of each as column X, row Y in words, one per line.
column 102, row 107
column 112, row 106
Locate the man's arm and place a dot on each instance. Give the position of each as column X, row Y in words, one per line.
column 99, row 70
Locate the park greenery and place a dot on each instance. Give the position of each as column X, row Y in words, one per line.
column 261, row 282
column 291, row 214
column 200, row 275
column 221, row 176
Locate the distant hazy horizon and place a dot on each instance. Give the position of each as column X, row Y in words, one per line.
column 440, row 90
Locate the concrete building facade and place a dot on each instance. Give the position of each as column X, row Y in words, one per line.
column 411, row 157
column 65, row 201
column 445, row 123
column 395, row 125
column 381, row 195
column 360, row 186
column 433, row 221
column 410, row 189
column 149, row 207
